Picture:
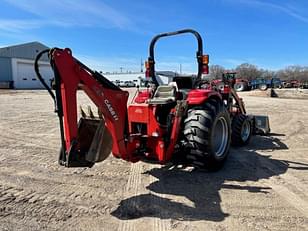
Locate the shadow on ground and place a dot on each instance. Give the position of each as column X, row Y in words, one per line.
column 202, row 188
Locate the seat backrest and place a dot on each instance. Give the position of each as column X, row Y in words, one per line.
column 165, row 91
column 183, row 82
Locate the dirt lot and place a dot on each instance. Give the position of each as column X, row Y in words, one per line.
column 284, row 93
column 263, row 186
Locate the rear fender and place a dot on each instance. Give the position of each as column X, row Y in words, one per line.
column 199, row 96
column 142, row 96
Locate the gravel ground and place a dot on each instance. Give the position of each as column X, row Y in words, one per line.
column 262, row 186
column 287, row 93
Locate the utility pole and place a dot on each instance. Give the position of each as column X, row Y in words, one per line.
column 180, row 68
column 141, row 65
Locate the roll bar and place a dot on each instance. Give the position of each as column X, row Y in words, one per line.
column 199, row 52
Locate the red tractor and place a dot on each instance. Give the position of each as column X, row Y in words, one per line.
column 237, row 84
column 187, row 120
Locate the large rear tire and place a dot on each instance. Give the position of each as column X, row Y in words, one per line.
column 240, row 86
column 208, row 134
column 263, row 87
column 241, row 130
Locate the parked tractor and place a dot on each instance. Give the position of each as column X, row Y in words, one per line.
column 238, row 84
column 186, row 120
column 291, row 84
column 264, row 84
column 304, row 85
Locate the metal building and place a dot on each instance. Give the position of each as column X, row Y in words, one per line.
column 17, row 66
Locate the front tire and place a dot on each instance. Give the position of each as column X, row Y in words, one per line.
column 208, row 134
column 241, row 130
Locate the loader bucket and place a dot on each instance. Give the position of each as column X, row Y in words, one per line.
column 261, row 124
column 94, row 139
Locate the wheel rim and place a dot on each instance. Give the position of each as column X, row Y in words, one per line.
column 263, row 87
column 239, row 87
column 221, row 86
column 220, row 137
column 245, row 131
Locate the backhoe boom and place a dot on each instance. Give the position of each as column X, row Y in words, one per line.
column 110, row 100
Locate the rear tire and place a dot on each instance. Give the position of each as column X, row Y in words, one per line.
column 208, row 135
column 240, row 86
column 263, row 87
column 241, row 130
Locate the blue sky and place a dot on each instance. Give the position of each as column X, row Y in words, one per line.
column 107, row 35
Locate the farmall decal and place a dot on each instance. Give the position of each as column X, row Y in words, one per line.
column 111, row 110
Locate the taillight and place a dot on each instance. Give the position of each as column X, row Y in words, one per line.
column 147, row 73
column 147, row 69
column 205, row 64
column 205, row 59
column 205, row 69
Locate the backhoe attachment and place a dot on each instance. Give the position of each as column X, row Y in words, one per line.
column 92, row 138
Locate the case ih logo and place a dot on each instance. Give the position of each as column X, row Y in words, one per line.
column 111, row 110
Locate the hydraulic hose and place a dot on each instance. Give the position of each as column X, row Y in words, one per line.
column 56, row 98
column 39, row 76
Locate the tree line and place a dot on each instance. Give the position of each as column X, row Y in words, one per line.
column 250, row 72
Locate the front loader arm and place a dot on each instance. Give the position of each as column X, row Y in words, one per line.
column 110, row 100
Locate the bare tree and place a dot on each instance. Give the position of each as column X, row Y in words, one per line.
column 294, row 73
column 248, row 71
column 216, row 71
column 267, row 74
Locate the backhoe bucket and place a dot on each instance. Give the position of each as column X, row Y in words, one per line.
column 94, row 139
column 261, row 124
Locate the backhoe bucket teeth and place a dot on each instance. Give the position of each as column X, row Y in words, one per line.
column 83, row 114
column 94, row 139
column 90, row 112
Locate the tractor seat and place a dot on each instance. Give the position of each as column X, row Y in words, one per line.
column 163, row 95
